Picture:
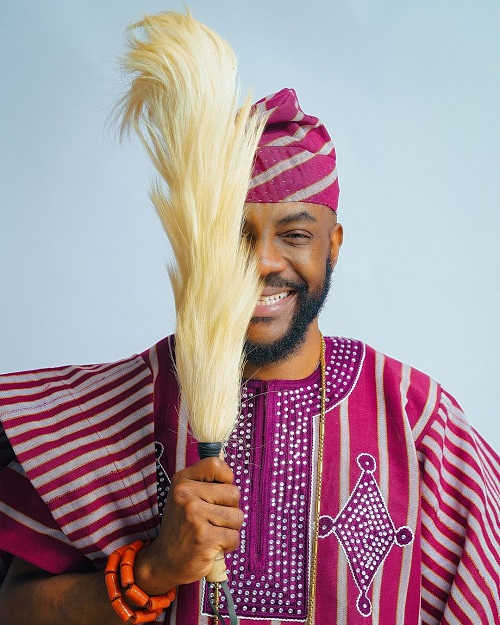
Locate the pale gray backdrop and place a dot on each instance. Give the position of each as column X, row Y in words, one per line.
column 410, row 92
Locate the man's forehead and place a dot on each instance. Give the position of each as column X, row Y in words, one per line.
column 287, row 212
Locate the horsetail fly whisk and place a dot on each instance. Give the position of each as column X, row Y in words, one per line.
column 183, row 103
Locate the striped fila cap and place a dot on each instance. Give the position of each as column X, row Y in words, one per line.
column 295, row 160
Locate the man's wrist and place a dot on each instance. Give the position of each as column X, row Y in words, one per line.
column 149, row 575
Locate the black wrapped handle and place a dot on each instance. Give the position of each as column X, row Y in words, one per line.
column 209, row 450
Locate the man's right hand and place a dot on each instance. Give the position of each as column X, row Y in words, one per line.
column 201, row 518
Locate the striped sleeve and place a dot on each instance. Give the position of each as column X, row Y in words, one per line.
column 84, row 436
column 28, row 530
column 460, row 522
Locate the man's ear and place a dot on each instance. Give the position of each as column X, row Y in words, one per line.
column 336, row 238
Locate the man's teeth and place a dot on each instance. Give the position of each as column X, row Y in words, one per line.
column 271, row 299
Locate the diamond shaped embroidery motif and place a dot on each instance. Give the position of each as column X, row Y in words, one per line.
column 365, row 530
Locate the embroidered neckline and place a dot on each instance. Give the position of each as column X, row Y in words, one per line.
column 344, row 359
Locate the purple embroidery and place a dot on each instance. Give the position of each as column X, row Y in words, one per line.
column 326, row 526
column 366, row 531
column 271, row 452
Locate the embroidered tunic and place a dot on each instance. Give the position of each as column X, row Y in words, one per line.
column 410, row 502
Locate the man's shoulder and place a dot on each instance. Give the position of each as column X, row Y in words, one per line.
column 398, row 385
column 68, row 375
column 72, row 374
column 392, row 368
column 47, row 390
column 161, row 353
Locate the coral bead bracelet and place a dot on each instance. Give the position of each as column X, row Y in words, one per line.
column 119, row 578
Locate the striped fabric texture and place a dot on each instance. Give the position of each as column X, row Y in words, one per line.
column 84, row 436
column 87, row 480
column 295, row 159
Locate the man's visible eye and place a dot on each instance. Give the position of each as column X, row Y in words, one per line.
column 297, row 235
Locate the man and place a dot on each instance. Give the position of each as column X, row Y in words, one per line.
column 406, row 529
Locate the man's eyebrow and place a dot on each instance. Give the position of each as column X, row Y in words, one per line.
column 302, row 216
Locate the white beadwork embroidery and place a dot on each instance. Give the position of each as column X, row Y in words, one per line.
column 365, row 531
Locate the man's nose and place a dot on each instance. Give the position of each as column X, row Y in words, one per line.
column 269, row 258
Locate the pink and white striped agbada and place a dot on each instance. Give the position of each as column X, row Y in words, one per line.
column 410, row 503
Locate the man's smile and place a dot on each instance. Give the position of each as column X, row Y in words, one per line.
column 267, row 300
column 273, row 302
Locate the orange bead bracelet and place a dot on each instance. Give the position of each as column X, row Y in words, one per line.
column 119, row 578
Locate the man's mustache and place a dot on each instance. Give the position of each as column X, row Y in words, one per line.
column 277, row 282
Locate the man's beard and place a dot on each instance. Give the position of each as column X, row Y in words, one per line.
column 308, row 308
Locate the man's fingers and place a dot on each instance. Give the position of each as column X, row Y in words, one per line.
column 221, row 538
column 196, row 510
column 229, row 540
column 183, row 491
column 209, row 480
column 208, row 470
column 201, row 518
column 222, row 516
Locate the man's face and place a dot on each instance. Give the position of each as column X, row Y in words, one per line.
column 296, row 245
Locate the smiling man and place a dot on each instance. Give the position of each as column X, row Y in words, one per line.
column 354, row 492
column 296, row 245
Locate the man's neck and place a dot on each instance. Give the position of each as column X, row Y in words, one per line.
column 298, row 365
